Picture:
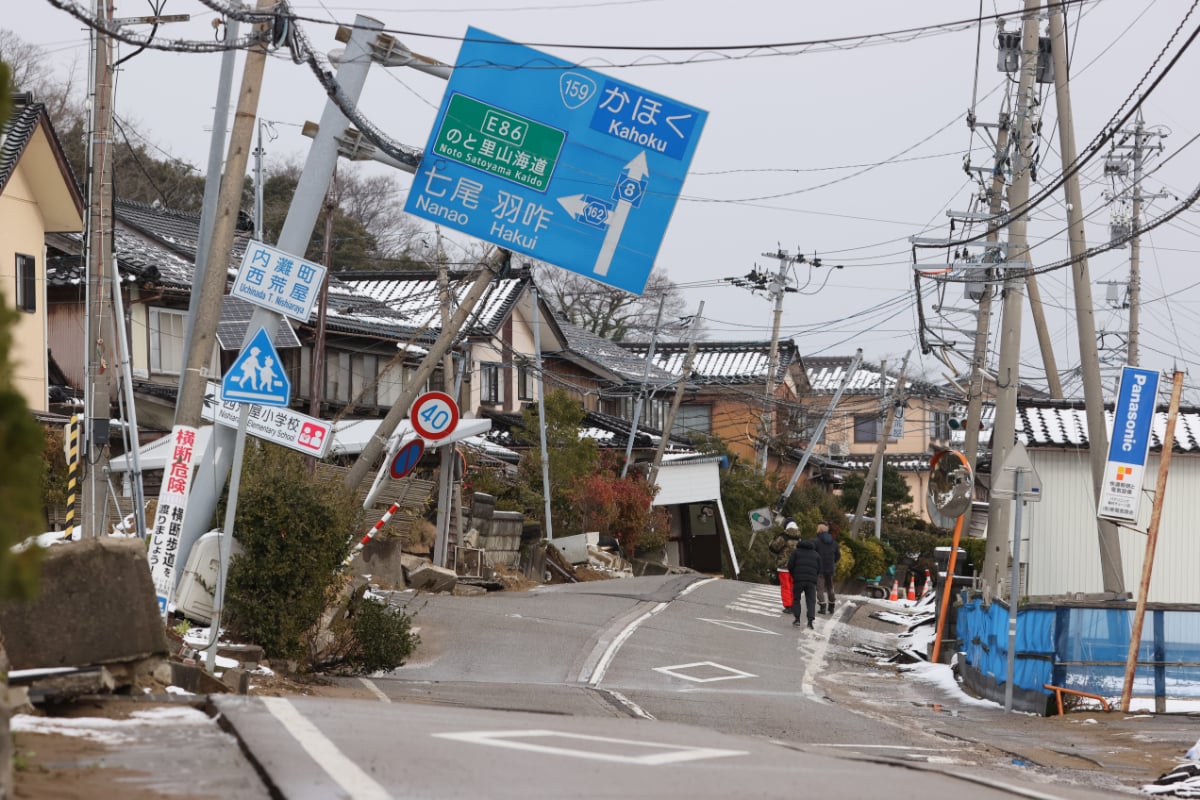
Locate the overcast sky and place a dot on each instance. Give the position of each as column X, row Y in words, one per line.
column 840, row 151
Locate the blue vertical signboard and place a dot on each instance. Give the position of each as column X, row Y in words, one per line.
column 558, row 162
column 1128, row 445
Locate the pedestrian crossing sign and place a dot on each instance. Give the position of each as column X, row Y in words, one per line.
column 257, row 376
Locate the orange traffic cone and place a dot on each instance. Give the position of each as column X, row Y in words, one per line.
column 928, row 587
column 895, row 595
column 912, row 586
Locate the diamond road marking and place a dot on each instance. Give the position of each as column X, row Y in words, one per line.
column 730, row 672
column 738, row 625
column 598, row 748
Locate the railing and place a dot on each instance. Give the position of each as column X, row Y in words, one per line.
column 1082, row 647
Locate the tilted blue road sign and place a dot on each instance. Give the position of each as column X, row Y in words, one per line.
column 555, row 161
column 258, row 375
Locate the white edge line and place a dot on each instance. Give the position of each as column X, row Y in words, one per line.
column 633, row 707
column 611, row 652
column 344, row 772
column 375, row 690
column 692, row 586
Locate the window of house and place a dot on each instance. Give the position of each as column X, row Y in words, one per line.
column 693, row 419
column 525, row 381
column 866, row 428
column 166, row 340
column 26, row 283
column 803, row 425
column 489, row 383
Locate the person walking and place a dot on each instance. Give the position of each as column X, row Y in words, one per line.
column 804, row 566
column 830, row 552
column 782, row 546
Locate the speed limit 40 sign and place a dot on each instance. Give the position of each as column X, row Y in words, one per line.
column 434, row 415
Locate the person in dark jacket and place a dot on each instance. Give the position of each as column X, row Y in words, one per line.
column 805, row 566
column 830, row 552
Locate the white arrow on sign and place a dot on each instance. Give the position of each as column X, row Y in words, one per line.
column 636, row 170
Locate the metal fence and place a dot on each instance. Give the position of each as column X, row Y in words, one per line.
column 1084, row 646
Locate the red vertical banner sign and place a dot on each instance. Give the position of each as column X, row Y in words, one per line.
column 163, row 547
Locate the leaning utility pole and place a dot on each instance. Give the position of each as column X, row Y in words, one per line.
column 779, row 285
column 684, row 374
column 983, row 318
column 1008, row 377
column 1111, row 567
column 897, row 400
column 97, row 348
column 193, row 381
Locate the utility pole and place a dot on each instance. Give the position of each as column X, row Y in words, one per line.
column 1008, row 375
column 194, row 378
column 684, row 374
column 212, row 472
column 637, row 406
column 97, row 350
column 316, row 381
column 774, row 286
column 983, row 318
column 1137, row 155
column 1111, row 567
column 897, row 399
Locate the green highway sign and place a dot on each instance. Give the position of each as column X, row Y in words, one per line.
column 498, row 142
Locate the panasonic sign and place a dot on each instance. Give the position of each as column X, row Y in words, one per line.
column 1129, row 445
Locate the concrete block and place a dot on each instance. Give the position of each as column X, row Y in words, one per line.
column 65, row 688
column 467, row 590
column 247, row 655
column 193, row 678
column 237, row 680
column 431, row 578
column 96, row 605
column 383, row 560
column 410, row 562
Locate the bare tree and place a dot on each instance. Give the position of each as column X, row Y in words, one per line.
column 31, row 70
column 612, row 313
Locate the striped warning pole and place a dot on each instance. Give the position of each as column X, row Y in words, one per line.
column 371, row 533
column 72, row 472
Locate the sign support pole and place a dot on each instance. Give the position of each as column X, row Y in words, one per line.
column 226, row 540
column 1160, row 491
column 1014, row 593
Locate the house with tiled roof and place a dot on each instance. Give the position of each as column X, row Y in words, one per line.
column 39, row 197
column 853, row 430
column 154, row 253
column 499, row 374
column 725, row 393
column 607, row 378
column 1059, row 546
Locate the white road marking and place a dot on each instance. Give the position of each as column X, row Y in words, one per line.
column 660, row 753
column 611, row 652
column 815, row 664
column 344, row 772
column 731, row 673
column 752, row 610
column 738, row 625
column 375, row 690
column 633, row 707
column 762, row 600
column 691, row 587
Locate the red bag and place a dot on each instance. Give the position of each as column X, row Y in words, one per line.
column 785, row 587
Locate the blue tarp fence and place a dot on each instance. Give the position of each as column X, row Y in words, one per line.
column 1084, row 646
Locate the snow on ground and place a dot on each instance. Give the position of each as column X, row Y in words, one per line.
column 109, row 731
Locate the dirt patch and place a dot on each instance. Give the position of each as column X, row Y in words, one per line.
column 54, row 767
